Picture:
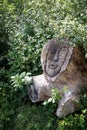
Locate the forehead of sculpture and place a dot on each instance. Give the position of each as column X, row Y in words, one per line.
column 52, row 44
column 51, row 47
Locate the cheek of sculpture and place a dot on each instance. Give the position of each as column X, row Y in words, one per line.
column 62, row 56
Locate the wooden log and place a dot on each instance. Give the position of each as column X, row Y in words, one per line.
column 63, row 65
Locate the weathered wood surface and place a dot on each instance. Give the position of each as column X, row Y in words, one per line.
column 63, row 65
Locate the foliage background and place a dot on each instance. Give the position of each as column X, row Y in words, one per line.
column 25, row 26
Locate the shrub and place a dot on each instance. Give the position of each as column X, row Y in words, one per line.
column 25, row 27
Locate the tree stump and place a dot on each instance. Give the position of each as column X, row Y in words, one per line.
column 63, row 65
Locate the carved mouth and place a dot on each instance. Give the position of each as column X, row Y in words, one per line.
column 52, row 66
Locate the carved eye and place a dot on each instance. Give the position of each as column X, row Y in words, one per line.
column 51, row 54
column 62, row 52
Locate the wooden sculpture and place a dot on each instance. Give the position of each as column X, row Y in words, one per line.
column 63, row 65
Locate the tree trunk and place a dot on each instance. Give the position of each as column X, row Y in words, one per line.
column 63, row 65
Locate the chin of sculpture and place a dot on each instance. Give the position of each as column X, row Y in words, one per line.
column 63, row 65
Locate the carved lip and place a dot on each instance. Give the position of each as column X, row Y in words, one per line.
column 52, row 66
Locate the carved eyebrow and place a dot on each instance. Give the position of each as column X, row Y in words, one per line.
column 52, row 49
column 62, row 49
column 53, row 46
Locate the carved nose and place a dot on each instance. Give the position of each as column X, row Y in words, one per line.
column 55, row 58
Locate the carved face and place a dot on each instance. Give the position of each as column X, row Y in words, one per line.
column 55, row 59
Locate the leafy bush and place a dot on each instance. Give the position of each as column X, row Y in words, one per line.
column 25, row 27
